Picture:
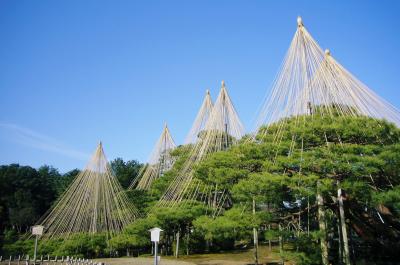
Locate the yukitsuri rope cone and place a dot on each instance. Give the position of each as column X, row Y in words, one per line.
column 159, row 162
column 311, row 85
column 311, row 77
column 94, row 203
column 201, row 119
column 222, row 129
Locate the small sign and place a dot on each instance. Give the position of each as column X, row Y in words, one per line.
column 37, row 230
column 155, row 234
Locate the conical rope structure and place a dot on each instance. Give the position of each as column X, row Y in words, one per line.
column 312, row 100
column 201, row 119
column 310, row 77
column 160, row 161
column 222, row 129
column 94, row 203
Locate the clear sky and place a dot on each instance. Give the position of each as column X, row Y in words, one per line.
column 76, row 72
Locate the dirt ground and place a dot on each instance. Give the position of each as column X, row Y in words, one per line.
column 142, row 261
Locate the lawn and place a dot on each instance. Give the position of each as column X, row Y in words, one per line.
column 226, row 258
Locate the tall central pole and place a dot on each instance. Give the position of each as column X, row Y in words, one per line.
column 226, row 136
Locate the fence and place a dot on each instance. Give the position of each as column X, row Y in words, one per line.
column 25, row 260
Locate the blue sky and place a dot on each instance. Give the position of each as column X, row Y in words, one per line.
column 76, row 72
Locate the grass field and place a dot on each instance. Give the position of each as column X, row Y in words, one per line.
column 244, row 257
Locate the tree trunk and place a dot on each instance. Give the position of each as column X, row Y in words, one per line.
column 346, row 251
column 269, row 239
column 255, row 234
column 322, row 227
column 215, row 196
column 281, row 244
column 340, row 252
column 177, row 244
column 308, row 215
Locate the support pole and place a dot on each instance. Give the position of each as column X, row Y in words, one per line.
column 340, row 247
column 322, row 226
column 308, row 215
column 346, row 251
column 281, row 244
column 35, row 251
column 155, row 253
column 187, row 240
column 177, row 245
column 269, row 239
column 226, row 136
column 255, row 234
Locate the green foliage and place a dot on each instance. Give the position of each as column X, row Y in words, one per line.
column 125, row 171
column 223, row 231
column 263, row 187
column 18, row 246
column 80, row 245
column 389, row 198
column 66, row 179
column 13, row 245
column 140, row 198
column 358, row 154
column 179, row 155
column 26, row 194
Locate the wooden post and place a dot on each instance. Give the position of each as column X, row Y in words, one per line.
column 322, row 227
column 340, row 247
column 187, row 240
column 269, row 239
column 281, row 244
column 298, row 231
column 308, row 215
column 177, row 244
column 346, row 251
column 255, row 235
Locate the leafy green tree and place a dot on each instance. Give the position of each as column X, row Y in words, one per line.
column 65, row 180
column 125, row 171
column 27, row 194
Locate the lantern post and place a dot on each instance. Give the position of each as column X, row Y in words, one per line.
column 155, row 237
column 37, row 231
